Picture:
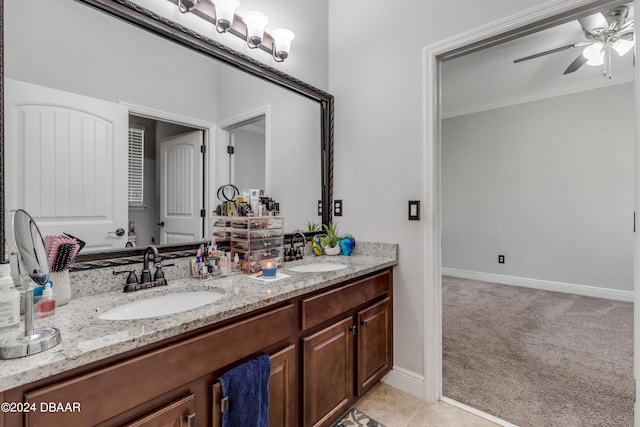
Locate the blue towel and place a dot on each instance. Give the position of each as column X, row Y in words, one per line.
column 247, row 387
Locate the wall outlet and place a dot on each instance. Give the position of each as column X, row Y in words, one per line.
column 319, row 207
column 337, row 207
column 501, row 259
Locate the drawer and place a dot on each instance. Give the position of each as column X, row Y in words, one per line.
column 256, row 244
column 318, row 308
column 113, row 390
column 256, row 234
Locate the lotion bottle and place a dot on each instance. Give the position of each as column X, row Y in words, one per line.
column 9, row 301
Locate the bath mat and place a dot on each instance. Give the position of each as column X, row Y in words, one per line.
column 356, row 418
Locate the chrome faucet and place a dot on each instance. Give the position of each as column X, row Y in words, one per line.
column 145, row 278
column 296, row 250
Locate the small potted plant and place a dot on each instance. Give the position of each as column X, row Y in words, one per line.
column 331, row 239
column 313, row 226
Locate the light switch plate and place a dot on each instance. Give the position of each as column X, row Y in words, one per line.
column 414, row 210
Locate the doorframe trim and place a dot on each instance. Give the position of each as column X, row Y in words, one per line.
column 223, row 137
column 432, row 55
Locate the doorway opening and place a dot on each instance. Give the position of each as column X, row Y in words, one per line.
column 434, row 56
column 172, row 184
column 177, row 176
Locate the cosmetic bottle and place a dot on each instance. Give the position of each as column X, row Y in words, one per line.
column 223, row 263
column 47, row 304
column 235, row 264
column 9, row 301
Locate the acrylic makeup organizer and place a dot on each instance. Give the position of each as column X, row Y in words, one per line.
column 253, row 239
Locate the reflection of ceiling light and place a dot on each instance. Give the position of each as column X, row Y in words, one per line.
column 622, row 46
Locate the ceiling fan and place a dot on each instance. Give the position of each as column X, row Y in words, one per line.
column 604, row 31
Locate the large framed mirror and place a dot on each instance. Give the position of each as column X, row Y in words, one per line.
column 103, row 56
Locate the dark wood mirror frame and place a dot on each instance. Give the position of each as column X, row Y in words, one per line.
column 144, row 18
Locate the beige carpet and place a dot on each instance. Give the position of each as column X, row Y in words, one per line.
column 537, row 358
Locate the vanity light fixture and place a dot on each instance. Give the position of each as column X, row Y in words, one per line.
column 282, row 38
column 249, row 27
column 186, row 6
column 255, row 21
column 225, row 12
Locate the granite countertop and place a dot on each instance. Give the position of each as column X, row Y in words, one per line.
column 87, row 338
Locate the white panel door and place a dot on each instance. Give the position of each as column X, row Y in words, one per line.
column 66, row 162
column 181, row 198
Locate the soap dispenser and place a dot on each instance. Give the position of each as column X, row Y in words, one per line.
column 47, row 304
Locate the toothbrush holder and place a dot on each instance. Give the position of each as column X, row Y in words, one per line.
column 61, row 286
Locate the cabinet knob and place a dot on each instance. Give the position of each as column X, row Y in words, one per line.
column 189, row 420
column 363, row 322
column 353, row 329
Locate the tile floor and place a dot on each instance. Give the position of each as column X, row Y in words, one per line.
column 394, row 408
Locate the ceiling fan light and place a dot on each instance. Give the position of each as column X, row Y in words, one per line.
column 593, row 52
column 596, row 60
column 622, row 46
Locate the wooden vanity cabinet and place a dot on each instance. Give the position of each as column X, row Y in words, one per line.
column 327, row 348
column 346, row 357
column 181, row 413
column 282, row 394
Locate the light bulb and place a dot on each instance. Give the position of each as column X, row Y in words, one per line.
column 593, row 51
column 255, row 21
column 225, row 11
column 282, row 38
column 185, row 6
column 622, row 46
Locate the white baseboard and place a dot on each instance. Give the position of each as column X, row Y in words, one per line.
column 405, row 380
column 478, row 412
column 547, row 285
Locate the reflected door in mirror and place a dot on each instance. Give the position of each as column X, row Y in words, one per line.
column 71, row 158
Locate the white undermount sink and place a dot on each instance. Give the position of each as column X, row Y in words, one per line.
column 161, row 305
column 317, row 267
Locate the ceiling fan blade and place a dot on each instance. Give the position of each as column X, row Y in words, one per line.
column 547, row 52
column 593, row 22
column 577, row 63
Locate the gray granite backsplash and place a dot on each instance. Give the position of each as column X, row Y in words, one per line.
column 96, row 281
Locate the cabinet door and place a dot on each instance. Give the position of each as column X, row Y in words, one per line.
column 282, row 388
column 328, row 372
column 181, row 413
column 374, row 344
column 282, row 394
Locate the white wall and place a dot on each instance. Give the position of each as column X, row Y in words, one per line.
column 548, row 184
column 248, row 159
column 376, row 75
column 69, row 46
column 293, row 149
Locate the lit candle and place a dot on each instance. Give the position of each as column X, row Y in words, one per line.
column 269, row 268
